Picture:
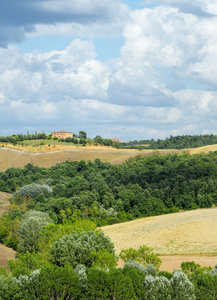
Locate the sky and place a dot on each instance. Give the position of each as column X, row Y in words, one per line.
column 127, row 69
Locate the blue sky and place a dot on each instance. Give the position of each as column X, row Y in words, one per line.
column 126, row 69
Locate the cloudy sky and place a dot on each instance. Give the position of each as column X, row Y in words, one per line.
column 130, row 69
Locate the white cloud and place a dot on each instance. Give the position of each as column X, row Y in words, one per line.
column 157, row 87
column 66, row 17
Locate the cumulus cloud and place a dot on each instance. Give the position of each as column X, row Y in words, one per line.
column 163, row 83
column 21, row 18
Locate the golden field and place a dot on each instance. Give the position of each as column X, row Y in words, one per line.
column 178, row 237
column 55, row 152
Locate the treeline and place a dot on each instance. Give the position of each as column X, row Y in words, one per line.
column 133, row 281
column 173, row 142
column 80, row 138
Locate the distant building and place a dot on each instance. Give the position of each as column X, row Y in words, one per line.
column 62, row 134
column 116, row 140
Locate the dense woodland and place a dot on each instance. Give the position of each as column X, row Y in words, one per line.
column 173, row 142
column 52, row 224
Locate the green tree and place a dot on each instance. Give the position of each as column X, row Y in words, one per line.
column 144, row 255
column 182, row 288
column 32, row 190
column 29, row 230
column 82, row 135
column 78, row 247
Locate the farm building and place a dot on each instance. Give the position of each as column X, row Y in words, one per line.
column 62, row 134
column 116, row 140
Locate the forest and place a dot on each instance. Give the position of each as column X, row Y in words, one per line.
column 173, row 142
column 55, row 212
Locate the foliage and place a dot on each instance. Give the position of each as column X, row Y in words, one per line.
column 51, row 233
column 158, row 288
column 9, row 288
column 25, row 264
column 30, row 226
column 50, row 282
column 182, row 288
column 173, row 142
column 102, row 259
column 32, row 190
column 144, row 255
column 8, row 230
column 108, row 194
column 79, row 247
column 53, row 282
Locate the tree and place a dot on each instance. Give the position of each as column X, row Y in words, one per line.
column 144, row 255
column 182, row 288
column 78, row 247
column 157, row 288
column 50, row 282
column 10, row 288
column 32, row 190
column 30, row 226
column 82, row 135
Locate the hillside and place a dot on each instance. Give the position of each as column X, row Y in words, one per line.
column 179, row 237
column 190, row 232
column 47, row 156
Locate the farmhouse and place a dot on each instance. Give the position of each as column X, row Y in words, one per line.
column 62, row 134
column 116, row 140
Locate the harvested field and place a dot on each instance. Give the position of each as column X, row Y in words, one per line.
column 17, row 158
column 46, row 156
column 169, row 263
column 186, row 234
